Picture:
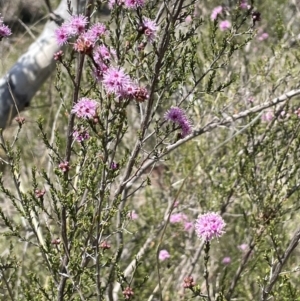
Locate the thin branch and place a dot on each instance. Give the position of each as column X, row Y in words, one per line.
column 213, row 124
column 277, row 267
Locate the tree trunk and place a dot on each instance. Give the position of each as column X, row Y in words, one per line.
column 31, row 70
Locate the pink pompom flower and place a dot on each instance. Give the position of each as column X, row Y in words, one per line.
column 226, row 260
column 149, row 29
column 163, row 255
column 216, row 11
column 224, row 25
column 5, row 31
column 77, row 24
column 209, row 225
column 115, row 81
column 98, row 30
column 177, row 115
column 85, row 108
column 62, row 34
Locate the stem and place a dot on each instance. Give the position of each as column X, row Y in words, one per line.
column 63, row 219
column 206, row 273
column 277, row 267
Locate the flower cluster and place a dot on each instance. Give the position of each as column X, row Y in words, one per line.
column 4, row 30
column 209, row 225
column 76, row 27
column 114, row 79
column 177, row 115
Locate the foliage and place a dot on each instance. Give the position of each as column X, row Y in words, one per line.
column 88, row 218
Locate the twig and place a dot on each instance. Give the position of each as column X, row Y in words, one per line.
column 213, row 124
column 277, row 267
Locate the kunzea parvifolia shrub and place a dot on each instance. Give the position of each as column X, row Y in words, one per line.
column 174, row 171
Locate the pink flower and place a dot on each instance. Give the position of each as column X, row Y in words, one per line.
column 243, row 247
column 178, row 116
column 103, row 53
column 130, row 4
column 58, row 55
column 129, row 90
column 64, row 166
column 175, row 114
column 224, row 25
column 77, row 24
column 226, row 260
column 132, row 215
column 244, row 4
column 268, row 116
column 105, row 245
column 128, row 293
column 134, row 4
column 39, row 193
column 81, row 135
column 84, row 43
column 114, row 165
column 163, row 255
column 5, row 31
column 178, row 218
column 115, row 81
column 112, row 3
column 263, row 36
column 297, row 112
column 98, row 73
column 140, row 94
column 251, row 99
column 85, row 108
column 186, row 128
column 188, row 19
column 149, row 29
column 176, row 204
column 209, row 225
column 216, row 11
column 189, row 282
column 62, row 34
column 98, row 30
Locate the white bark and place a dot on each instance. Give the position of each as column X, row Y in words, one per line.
column 31, row 70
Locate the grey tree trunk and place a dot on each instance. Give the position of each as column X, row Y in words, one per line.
column 31, row 70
